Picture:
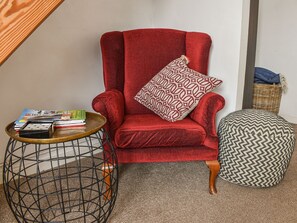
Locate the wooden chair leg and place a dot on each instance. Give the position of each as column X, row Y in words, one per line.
column 106, row 172
column 214, row 167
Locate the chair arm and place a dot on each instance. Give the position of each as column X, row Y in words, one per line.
column 111, row 105
column 206, row 110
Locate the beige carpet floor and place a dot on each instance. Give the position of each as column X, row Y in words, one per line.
column 178, row 192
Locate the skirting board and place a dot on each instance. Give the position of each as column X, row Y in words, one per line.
column 289, row 118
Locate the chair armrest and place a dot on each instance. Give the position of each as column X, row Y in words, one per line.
column 111, row 105
column 206, row 110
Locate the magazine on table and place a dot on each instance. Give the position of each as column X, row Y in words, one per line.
column 59, row 118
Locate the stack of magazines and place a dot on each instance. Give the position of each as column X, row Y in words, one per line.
column 68, row 119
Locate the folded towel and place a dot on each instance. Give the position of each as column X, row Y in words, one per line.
column 265, row 76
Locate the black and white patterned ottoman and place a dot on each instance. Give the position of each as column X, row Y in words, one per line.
column 255, row 147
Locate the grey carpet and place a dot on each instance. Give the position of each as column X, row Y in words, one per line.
column 178, row 192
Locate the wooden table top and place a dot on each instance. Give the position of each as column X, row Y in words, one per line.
column 94, row 122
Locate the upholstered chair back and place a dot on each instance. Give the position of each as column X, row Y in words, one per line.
column 132, row 58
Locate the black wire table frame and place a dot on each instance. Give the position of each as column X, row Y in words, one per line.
column 71, row 181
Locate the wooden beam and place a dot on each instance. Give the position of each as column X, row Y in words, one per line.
column 18, row 19
column 251, row 55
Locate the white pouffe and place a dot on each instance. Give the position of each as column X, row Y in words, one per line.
column 255, row 147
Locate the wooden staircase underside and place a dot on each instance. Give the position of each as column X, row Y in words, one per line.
column 18, row 19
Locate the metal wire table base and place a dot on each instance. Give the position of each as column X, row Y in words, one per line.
column 74, row 181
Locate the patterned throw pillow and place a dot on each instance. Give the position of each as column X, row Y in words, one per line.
column 176, row 90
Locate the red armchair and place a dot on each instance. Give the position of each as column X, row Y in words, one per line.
column 130, row 60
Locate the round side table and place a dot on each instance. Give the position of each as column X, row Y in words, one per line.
column 71, row 177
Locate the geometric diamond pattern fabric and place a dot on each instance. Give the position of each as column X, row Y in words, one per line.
column 255, row 147
column 176, row 90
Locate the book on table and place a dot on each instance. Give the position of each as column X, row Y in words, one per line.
column 59, row 118
column 76, row 119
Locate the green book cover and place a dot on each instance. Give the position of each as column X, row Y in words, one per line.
column 78, row 114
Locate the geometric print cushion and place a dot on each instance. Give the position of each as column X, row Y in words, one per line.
column 176, row 90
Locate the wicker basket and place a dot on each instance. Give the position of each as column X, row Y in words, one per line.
column 267, row 97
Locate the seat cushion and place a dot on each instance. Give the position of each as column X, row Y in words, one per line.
column 149, row 130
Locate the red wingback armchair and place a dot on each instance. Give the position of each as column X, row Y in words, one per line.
column 130, row 59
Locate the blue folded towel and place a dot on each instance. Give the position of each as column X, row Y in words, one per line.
column 265, row 76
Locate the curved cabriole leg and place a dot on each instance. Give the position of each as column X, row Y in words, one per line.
column 214, row 167
column 106, row 172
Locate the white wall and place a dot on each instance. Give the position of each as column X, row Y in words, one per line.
column 277, row 48
column 223, row 21
column 59, row 65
